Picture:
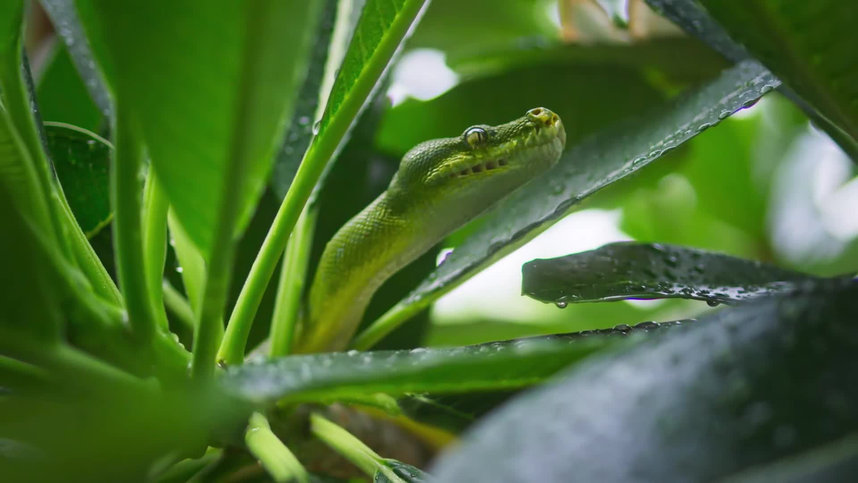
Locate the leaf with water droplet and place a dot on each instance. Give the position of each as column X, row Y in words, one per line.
column 742, row 395
column 82, row 161
column 634, row 270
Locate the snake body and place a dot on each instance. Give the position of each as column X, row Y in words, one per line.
column 440, row 185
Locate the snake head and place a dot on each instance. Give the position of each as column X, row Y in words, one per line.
column 461, row 176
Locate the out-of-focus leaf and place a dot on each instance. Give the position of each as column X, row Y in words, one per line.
column 583, row 170
column 764, row 383
column 86, row 437
column 618, row 10
column 469, row 28
column 656, row 58
column 62, row 95
column 573, row 81
column 634, row 270
column 327, row 377
column 807, row 44
column 65, row 19
column 212, row 112
column 81, row 161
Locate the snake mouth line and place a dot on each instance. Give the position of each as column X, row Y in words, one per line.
column 494, row 164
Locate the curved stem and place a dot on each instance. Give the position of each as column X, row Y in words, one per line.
column 155, row 244
column 274, row 456
column 125, row 192
column 292, row 279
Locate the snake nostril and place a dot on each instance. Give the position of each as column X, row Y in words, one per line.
column 536, row 111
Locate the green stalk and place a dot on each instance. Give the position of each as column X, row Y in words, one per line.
column 274, row 456
column 155, row 244
column 178, row 305
column 351, row 448
column 292, row 279
column 125, row 192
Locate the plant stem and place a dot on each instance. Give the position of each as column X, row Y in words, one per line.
column 155, row 244
column 274, row 456
column 292, row 278
column 125, row 192
column 178, row 305
column 351, row 448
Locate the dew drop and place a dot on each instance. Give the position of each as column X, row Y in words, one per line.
column 561, row 304
column 316, row 126
column 179, row 269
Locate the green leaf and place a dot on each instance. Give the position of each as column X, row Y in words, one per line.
column 748, row 386
column 212, row 111
column 642, row 271
column 66, row 22
column 405, row 472
column 498, row 365
column 62, row 94
column 581, row 171
column 81, row 160
column 689, row 15
column 806, row 44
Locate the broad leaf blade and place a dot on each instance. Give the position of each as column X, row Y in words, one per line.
column 581, row 171
column 633, row 270
column 81, row 160
column 62, row 94
column 807, row 44
column 763, row 382
column 211, row 112
column 345, row 375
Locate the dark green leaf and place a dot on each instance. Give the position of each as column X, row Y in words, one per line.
column 642, row 271
column 499, row 365
column 65, row 19
column 62, row 95
column 689, row 15
column 748, row 386
column 807, row 44
column 404, row 471
column 582, row 170
column 212, row 111
column 300, row 130
column 81, row 160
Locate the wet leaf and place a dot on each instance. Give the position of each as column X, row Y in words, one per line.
column 82, row 160
column 641, row 271
column 581, row 171
column 498, row 365
column 404, row 471
column 765, row 383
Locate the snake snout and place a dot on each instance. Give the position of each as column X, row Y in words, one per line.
column 543, row 116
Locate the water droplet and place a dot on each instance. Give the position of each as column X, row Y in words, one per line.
column 316, row 126
column 561, row 304
column 179, row 269
column 713, row 303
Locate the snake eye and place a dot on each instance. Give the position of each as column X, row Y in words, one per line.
column 475, row 136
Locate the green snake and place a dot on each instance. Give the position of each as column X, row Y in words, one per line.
column 440, row 185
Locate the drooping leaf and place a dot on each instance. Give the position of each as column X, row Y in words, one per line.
column 581, row 171
column 405, row 472
column 81, row 160
column 211, row 112
column 499, row 365
column 755, row 385
column 641, row 271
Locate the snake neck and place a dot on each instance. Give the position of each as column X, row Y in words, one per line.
column 361, row 256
